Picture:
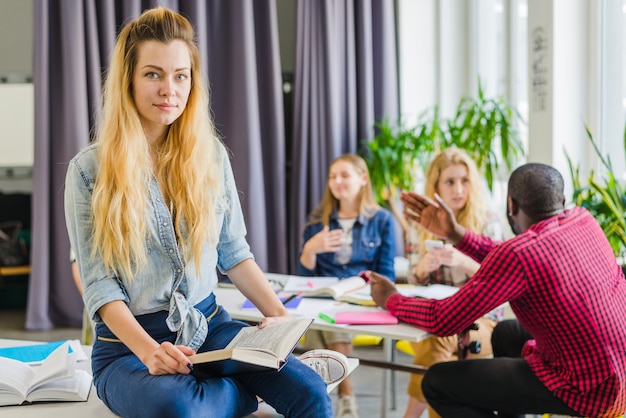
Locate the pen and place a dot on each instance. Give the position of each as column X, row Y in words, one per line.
column 292, row 297
column 326, row 318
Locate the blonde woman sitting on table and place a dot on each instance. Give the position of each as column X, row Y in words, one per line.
column 453, row 175
column 346, row 234
column 152, row 211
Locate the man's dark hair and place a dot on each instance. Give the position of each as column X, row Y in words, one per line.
column 537, row 189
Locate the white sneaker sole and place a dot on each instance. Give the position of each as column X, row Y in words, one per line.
column 331, row 365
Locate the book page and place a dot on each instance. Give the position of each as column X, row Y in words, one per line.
column 432, row 291
column 15, row 377
column 353, row 285
column 279, row 338
column 360, row 296
column 75, row 388
column 308, row 284
column 60, row 363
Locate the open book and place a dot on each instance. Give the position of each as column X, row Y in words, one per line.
column 253, row 349
column 56, row 379
column 352, row 289
column 431, row 291
column 35, row 354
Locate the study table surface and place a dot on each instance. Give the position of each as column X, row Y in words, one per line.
column 232, row 300
column 93, row 407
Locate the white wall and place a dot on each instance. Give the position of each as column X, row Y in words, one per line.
column 16, row 95
column 17, row 122
column 16, row 39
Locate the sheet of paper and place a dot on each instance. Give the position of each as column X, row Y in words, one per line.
column 307, row 284
column 433, row 291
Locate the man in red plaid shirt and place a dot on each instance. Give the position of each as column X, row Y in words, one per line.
column 565, row 287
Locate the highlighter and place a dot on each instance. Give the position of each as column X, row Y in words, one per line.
column 326, row 318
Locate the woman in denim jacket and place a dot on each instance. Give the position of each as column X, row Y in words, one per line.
column 346, row 234
column 151, row 211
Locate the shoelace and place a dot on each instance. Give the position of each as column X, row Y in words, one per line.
column 321, row 368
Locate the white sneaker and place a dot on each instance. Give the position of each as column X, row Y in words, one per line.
column 346, row 407
column 331, row 365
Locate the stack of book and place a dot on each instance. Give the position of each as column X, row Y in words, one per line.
column 43, row 373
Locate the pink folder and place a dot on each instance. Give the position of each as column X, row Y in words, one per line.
column 365, row 318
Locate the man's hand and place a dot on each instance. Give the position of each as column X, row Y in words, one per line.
column 381, row 288
column 436, row 217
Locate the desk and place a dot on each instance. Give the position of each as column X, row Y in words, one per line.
column 94, row 407
column 232, row 300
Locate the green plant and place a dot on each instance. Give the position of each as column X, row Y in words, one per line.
column 486, row 129
column 396, row 153
column 605, row 198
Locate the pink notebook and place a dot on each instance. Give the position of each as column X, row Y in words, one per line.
column 365, row 318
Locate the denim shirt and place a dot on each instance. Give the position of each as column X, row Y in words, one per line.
column 167, row 282
column 373, row 247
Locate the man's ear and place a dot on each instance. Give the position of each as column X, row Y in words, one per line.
column 512, row 206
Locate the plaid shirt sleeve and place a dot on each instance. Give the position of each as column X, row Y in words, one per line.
column 481, row 294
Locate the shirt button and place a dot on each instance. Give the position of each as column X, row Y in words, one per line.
column 179, row 297
column 171, row 250
column 371, row 244
column 178, row 270
column 164, row 224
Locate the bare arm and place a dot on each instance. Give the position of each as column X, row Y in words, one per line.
column 251, row 281
column 164, row 358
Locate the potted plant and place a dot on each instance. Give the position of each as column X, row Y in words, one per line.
column 484, row 127
column 487, row 129
column 605, row 198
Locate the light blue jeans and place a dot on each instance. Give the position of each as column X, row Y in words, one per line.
column 123, row 383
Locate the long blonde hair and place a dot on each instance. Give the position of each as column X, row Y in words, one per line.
column 189, row 162
column 473, row 215
column 366, row 199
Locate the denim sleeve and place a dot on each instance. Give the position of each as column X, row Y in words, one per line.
column 309, row 232
column 387, row 247
column 99, row 287
column 232, row 248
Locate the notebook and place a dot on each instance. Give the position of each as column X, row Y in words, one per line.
column 365, row 318
column 292, row 304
